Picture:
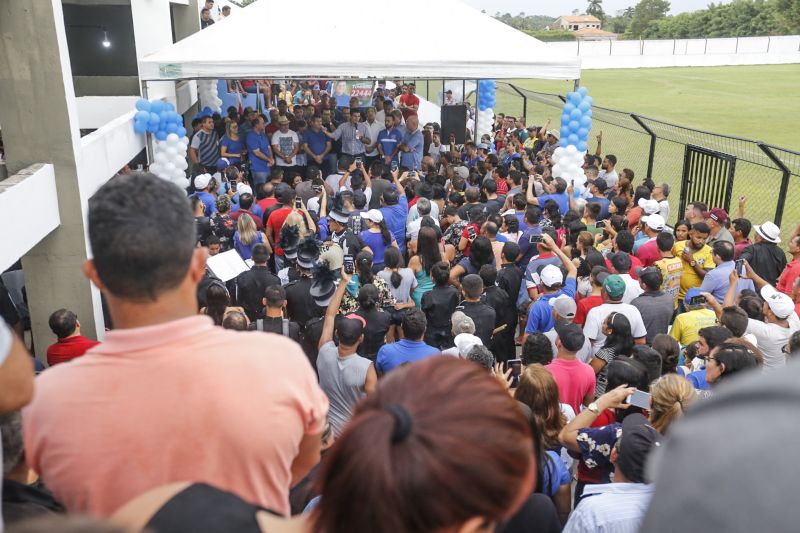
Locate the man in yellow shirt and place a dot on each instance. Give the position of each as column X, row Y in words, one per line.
column 671, row 266
column 687, row 325
column 696, row 256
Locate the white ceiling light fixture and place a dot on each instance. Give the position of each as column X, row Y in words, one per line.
column 106, row 42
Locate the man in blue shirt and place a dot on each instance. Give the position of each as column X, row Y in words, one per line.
column 559, row 196
column 551, row 285
column 532, row 229
column 389, row 141
column 260, row 153
column 395, row 211
column 410, row 348
column 717, row 279
column 597, row 189
column 412, row 145
column 201, row 184
column 317, row 147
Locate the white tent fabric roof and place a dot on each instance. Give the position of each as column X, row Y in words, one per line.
column 436, row 39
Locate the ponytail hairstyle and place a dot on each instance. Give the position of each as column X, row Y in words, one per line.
column 368, row 297
column 553, row 213
column 620, row 339
column 385, row 233
column 428, row 248
column 671, row 394
column 407, row 441
column 393, row 260
column 364, row 268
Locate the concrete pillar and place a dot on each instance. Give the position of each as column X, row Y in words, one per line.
column 40, row 124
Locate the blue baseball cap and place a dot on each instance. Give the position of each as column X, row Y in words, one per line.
column 691, row 293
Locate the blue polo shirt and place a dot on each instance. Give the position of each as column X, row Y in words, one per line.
column 258, row 142
column 316, row 140
column 604, row 203
column 717, row 281
column 413, row 159
column 540, row 317
column 395, row 218
column 209, row 203
column 392, row 355
column 390, row 140
column 562, row 199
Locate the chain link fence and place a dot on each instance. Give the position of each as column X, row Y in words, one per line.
column 767, row 176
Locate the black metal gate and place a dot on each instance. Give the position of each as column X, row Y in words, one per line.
column 707, row 178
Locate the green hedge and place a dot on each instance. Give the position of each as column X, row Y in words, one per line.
column 552, row 35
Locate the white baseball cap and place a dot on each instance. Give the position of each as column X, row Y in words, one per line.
column 201, row 181
column 243, row 188
column 779, row 303
column 465, row 342
column 551, row 275
column 374, row 215
column 648, row 206
column 655, row 222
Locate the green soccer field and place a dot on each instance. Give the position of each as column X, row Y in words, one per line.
column 757, row 102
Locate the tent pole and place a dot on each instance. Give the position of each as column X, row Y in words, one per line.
column 148, row 139
column 477, row 110
column 577, row 84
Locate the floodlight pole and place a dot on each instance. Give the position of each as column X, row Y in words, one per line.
column 477, row 111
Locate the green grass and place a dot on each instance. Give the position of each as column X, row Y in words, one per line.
column 756, row 102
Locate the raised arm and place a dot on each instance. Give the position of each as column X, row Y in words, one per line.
column 572, row 272
column 333, row 310
column 599, row 144
column 614, row 399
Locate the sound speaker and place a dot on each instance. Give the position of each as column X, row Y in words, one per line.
column 454, row 120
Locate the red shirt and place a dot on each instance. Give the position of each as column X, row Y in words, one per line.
column 584, row 306
column 409, row 100
column 68, row 348
column 635, row 263
column 275, row 221
column 739, row 247
column 790, row 273
column 648, row 253
column 575, row 380
column 502, row 187
column 465, row 234
column 264, row 203
column 259, row 225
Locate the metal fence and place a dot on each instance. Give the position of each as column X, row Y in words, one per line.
column 768, row 176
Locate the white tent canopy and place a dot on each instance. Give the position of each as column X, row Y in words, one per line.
column 435, row 39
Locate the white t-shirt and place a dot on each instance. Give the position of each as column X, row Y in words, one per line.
column 374, row 129
column 663, row 209
column 434, row 152
column 333, row 181
column 632, row 288
column 593, row 328
column 285, row 144
column 772, row 338
column 412, row 229
column 611, row 177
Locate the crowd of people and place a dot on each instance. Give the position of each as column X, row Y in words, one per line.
column 429, row 336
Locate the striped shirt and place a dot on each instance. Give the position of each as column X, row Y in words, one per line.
column 351, row 145
column 207, row 146
column 611, row 508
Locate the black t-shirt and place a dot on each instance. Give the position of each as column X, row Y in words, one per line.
column 494, row 205
column 300, row 305
column 439, row 304
column 484, row 318
column 464, row 210
column 498, row 299
column 251, row 285
column 275, row 325
column 509, row 278
column 538, row 509
column 202, row 227
column 350, row 242
column 378, row 323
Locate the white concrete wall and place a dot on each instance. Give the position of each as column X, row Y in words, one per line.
column 684, row 52
column 23, row 229
column 97, row 111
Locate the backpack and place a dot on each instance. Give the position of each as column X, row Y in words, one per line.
column 284, row 326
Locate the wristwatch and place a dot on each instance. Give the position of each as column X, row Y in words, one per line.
column 593, row 408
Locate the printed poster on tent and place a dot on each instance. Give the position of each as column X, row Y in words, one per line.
column 342, row 91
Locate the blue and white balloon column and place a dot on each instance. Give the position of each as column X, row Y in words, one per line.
column 487, row 98
column 576, row 123
column 166, row 125
column 209, row 97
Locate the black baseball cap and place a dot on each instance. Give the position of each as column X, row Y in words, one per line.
column 600, row 183
column 571, row 336
column 651, row 276
column 638, row 439
column 621, row 261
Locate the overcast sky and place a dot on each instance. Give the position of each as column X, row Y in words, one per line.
column 565, row 7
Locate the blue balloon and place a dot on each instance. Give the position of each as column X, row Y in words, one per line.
column 157, row 106
column 154, row 119
column 161, row 135
column 583, row 133
column 583, row 91
column 582, row 146
column 152, row 128
column 172, row 128
column 169, row 107
column 164, row 116
column 576, row 114
column 139, row 126
column 563, row 142
column 142, row 115
column 181, row 131
column 573, row 139
column 588, row 113
column 586, row 120
column 575, row 98
column 590, row 100
column 574, row 125
column 568, row 108
column 142, row 105
column 565, row 131
column 584, row 106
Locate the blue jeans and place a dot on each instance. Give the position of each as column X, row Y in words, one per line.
column 279, row 261
column 259, row 178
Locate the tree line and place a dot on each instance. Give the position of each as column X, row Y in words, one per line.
column 648, row 19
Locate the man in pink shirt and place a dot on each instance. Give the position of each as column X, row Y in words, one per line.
column 168, row 396
column 575, row 379
column 648, row 252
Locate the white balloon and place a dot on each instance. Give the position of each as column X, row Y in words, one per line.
column 572, row 149
column 169, row 168
column 182, row 164
column 160, row 157
column 173, row 139
column 160, row 145
column 171, row 151
column 155, row 168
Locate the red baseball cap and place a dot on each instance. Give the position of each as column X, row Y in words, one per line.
column 718, row 214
